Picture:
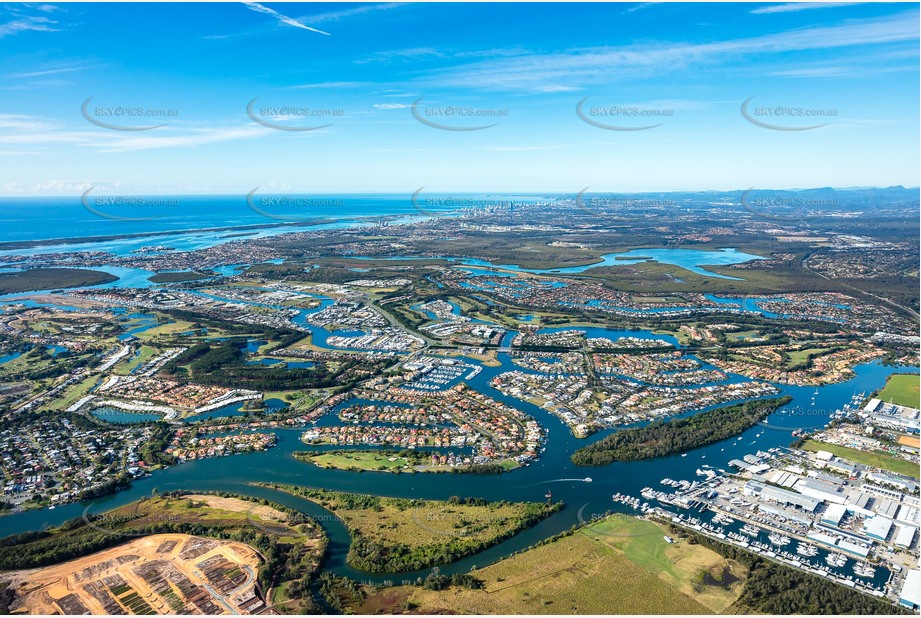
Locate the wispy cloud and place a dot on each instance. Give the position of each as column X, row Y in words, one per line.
column 568, row 70
column 797, row 6
column 33, row 23
column 255, row 6
column 829, row 71
column 18, row 131
column 641, row 6
column 414, row 54
column 392, row 105
column 352, row 12
column 46, row 72
column 406, row 54
column 342, row 85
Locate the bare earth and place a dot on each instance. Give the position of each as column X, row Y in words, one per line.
column 235, row 505
column 157, row 574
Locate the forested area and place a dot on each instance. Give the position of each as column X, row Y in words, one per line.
column 662, row 438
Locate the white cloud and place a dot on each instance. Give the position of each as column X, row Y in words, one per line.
column 45, row 72
column 641, row 6
column 359, row 10
column 27, row 24
column 332, row 85
column 574, row 69
column 391, row 105
column 255, row 6
column 20, row 131
column 411, row 53
column 797, row 6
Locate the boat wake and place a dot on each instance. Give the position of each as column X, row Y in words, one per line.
column 587, row 479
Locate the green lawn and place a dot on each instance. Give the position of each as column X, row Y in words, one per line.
column 587, row 573
column 877, row 460
column 903, row 390
column 126, row 368
column 72, row 395
column 363, row 460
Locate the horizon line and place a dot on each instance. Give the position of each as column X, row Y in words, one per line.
column 468, row 192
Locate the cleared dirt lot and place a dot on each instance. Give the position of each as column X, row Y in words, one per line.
column 157, row 574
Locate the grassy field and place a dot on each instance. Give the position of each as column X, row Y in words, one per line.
column 415, row 523
column 172, row 328
column 361, row 460
column 145, row 355
column 298, row 399
column 679, row 564
column 401, row 534
column 903, row 390
column 798, row 357
column 594, row 571
column 72, row 395
column 877, row 460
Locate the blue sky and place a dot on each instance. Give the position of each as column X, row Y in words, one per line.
column 685, row 67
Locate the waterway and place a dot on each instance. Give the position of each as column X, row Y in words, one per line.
column 553, row 472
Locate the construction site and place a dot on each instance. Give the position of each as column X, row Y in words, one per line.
column 157, row 574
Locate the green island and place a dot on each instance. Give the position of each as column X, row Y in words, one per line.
column 51, row 279
column 401, row 534
column 663, row 438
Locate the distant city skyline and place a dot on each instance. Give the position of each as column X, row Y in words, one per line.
column 334, row 98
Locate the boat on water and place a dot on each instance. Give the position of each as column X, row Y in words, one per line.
column 807, row 550
column 587, row 479
column 779, row 539
column 864, row 570
column 836, row 560
column 722, row 518
column 750, row 530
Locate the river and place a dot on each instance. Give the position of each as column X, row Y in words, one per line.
column 553, row 472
